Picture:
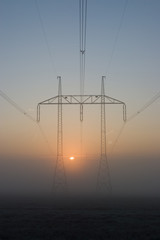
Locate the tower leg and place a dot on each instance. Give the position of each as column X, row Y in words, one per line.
column 60, row 181
column 103, row 177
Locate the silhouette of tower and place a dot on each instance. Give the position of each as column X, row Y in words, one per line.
column 60, row 181
column 103, row 176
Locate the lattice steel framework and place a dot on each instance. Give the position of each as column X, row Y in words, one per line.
column 60, row 181
column 103, row 176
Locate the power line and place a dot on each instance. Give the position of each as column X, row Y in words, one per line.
column 15, row 105
column 143, row 108
column 117, row 35
column 45, row 138
column 82, row 42
column 22, row 111
column 82, row 36
column 118, row 136
column 45, row 36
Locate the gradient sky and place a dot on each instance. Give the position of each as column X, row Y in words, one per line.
column 28, row 75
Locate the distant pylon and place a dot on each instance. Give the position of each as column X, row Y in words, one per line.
column 103, row 177
column 60, row 181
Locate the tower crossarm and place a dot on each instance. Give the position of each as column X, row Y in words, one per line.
column 78, row 99
column 81, row 100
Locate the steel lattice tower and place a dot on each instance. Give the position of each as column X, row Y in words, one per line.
column 103, row 176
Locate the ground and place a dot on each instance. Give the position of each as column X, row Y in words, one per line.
column 80, row 221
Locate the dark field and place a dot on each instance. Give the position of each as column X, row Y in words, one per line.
column 101, row 219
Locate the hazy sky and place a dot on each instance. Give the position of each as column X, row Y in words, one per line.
column 35, row 49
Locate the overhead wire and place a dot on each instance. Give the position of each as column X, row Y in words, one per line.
column 82, row 40
column 16, row 106
column 133, row 116
column 45, row 35
column 22, row 111
column 117, row 36
column 82, row 46
column 146, row 105
column 45, row 138
column 111, row 59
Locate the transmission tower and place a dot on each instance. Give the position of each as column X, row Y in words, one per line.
column 103, row 176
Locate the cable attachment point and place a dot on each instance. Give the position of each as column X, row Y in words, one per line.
column 81, row 112
column 82, row 51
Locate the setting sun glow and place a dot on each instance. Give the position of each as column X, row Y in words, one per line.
column 72, row 158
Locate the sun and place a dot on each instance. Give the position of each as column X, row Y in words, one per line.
column 72, row 158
